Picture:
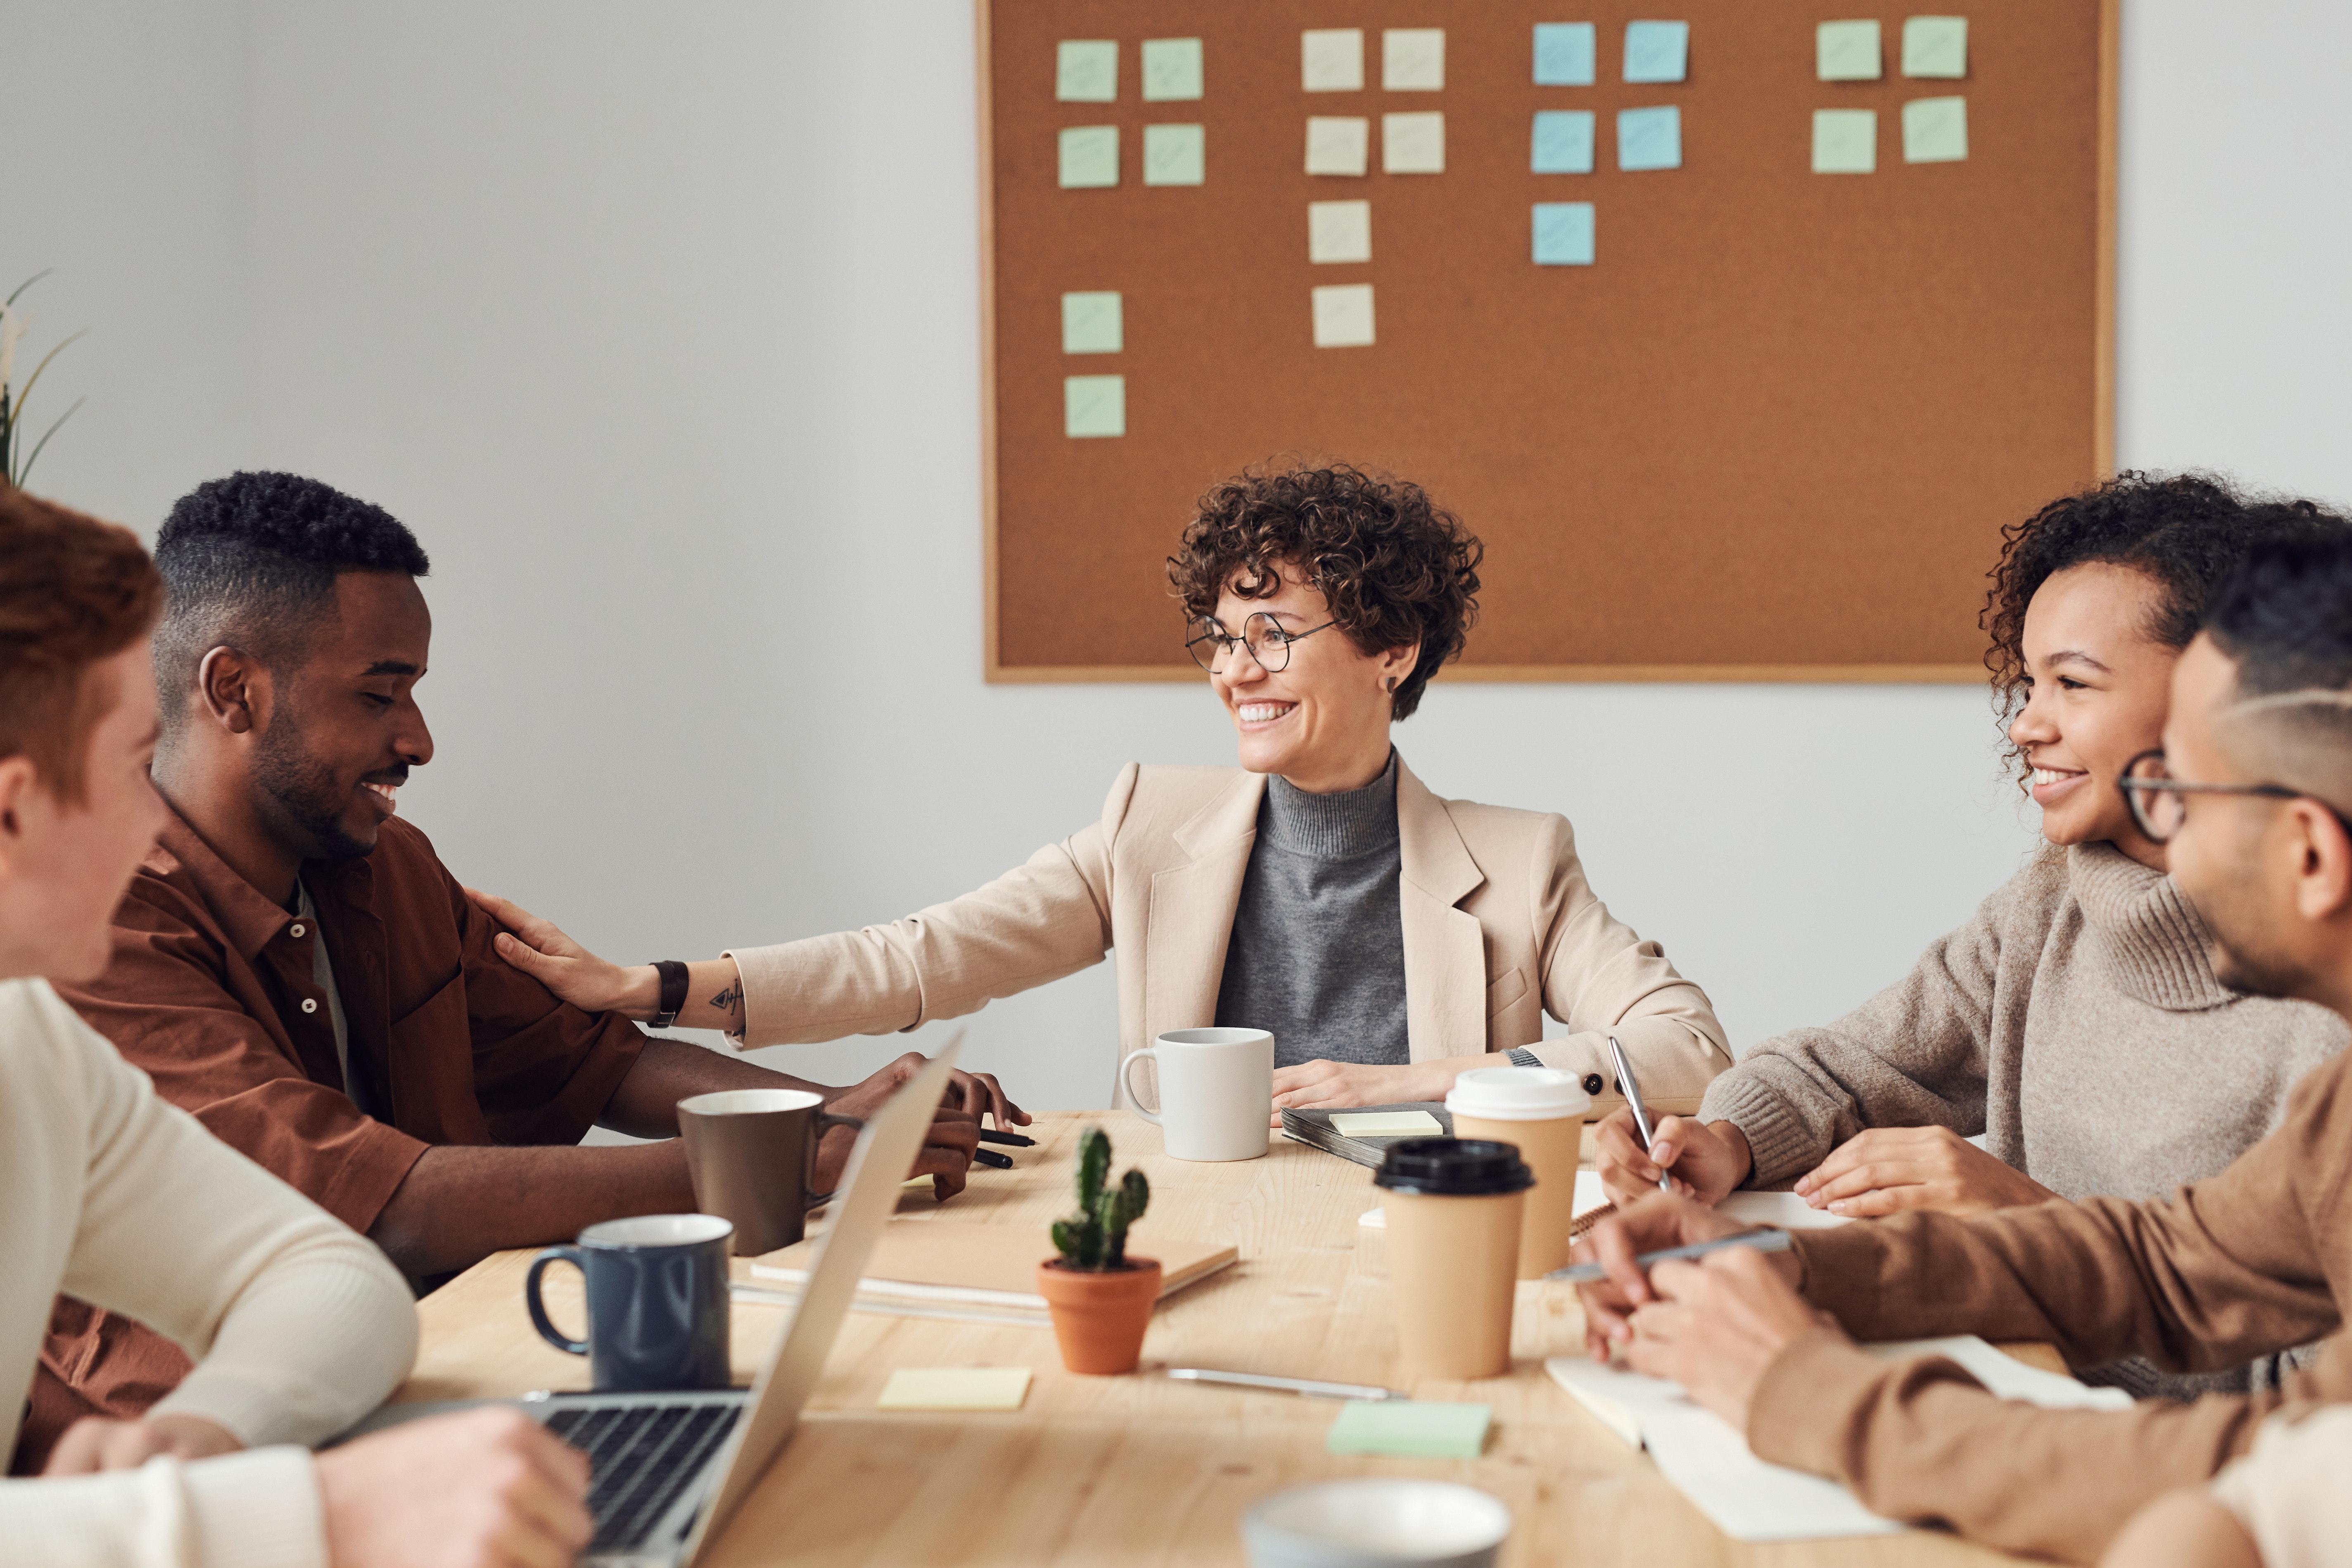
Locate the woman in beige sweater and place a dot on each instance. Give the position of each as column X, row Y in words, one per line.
column 2074, row 1024
column 1389, row 938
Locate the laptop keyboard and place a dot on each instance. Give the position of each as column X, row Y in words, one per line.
column 639, row 1458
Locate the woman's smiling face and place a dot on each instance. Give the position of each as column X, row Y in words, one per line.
column 2097, row 686
column 1322, row 721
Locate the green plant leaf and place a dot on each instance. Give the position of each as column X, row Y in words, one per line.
column 27, row 283
column 24, row 393
column 36, row 456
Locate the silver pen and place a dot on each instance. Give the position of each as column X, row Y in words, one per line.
column 1305, row 1385
column 1632, row 1092
column 1761, row 1240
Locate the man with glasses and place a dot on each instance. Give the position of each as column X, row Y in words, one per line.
column 2251, row 796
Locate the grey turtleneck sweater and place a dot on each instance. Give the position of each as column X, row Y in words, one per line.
column 1317, row 949
column 2076, row 1025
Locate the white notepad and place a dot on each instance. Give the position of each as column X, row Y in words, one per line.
column 1749, row 1499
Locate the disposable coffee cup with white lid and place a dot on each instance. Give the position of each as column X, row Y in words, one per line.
column 1541, row 1109
column 1518, row 1094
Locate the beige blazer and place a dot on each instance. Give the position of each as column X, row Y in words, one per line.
column 1499, row 928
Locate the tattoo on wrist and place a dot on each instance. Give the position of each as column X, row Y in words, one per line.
column 729, row 1001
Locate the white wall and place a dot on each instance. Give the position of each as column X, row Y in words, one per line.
column 658, row 325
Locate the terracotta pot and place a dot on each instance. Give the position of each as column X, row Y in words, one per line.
column 1100, row 1315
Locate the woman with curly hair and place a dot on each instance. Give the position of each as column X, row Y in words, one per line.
column 1389, row 939
column 2075, row 1023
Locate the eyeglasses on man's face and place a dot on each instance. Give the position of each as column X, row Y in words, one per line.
column 1213, row 648
column 2160, row 803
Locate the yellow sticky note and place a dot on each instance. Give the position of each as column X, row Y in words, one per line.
column 1331, row 59
column 1338, row 145
column 955, row 1388
column 1387, row 1125
column 1343, row 315
column 1845, row 141
column 1413, row 143
column 1412, row 59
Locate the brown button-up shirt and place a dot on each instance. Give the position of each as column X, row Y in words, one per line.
column 212, row 991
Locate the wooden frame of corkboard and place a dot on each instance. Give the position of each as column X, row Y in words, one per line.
column 1771, row 434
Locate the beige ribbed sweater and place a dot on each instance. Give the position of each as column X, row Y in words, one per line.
column 2075, row 1023
column 298, row 1326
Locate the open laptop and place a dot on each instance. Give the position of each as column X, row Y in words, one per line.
column 669, row 1470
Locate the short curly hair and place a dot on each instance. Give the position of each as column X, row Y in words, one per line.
column 2187, row 533
column 252, row 559
column 1397, row 568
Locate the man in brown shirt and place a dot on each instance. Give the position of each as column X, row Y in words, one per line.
column 2252, row 795
column 294, row 966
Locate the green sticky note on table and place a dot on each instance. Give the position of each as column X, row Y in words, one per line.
column 1846, row 51
column 1845, row 141
column 1409, row 1429
column 1089, row 157
column 1936, row 47
column 1171, row 69
column 1174, row 155
column 1935, row 130
column 1093, row 323
column 1387, row 1125
column 1094, row 406
column 1086, row 70
column 955, row 1388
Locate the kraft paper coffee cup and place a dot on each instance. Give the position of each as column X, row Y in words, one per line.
column 1453, row 1206
column 1543, row 1110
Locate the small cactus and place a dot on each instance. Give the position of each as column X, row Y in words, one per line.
column 1095, row 1237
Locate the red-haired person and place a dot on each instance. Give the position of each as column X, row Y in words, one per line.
column 296, row 1325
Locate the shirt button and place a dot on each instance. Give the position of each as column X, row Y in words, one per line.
column 296, row 929
column 310, row 1004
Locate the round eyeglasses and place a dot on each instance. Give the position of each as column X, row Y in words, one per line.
column 1212, row 647
column 2160, row 801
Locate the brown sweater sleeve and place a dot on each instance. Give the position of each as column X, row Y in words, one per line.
column 2225, row 1270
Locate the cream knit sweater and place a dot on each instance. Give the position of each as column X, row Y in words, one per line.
column 2075, row 1023
column 298, row 1326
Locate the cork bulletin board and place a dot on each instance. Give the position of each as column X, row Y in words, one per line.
column 1756, row 414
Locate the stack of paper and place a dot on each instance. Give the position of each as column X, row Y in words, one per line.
column 1749, row 1500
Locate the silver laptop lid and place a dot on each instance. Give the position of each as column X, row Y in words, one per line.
column 870, row 1185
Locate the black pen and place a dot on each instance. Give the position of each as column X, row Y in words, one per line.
column 991, row 1158
column 1012, row 1140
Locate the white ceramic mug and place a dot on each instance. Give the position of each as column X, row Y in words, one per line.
column 1216, row 1092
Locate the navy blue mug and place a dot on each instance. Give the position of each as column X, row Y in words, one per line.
column 656, row 1291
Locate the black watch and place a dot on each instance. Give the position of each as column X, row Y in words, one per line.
column 673, row 992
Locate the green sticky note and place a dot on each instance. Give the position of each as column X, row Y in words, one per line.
column 1171, row 69
column 1409, row 1429
column 1935, row 130
column 1657, row 51
column 1092, row 323
column 1089, row 157
column 1387, row 1124
column 1174, row 155
column 955, row 1388
column 1094, row 406
column 1936, row 47
column 1086, row 70
column 1846, row 51
column 1845, row 141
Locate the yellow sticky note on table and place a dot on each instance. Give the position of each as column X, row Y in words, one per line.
column 1936, row 47
column 955, row 1388
column 1935, row 130
column 1387, row 1125
column 1846, row 51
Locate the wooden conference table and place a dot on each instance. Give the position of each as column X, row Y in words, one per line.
column 1139, row 1470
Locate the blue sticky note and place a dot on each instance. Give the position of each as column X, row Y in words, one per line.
column 1409, row 1429
column 1650, row 138
column 1563, row 233
column 1563, row 143
column 1657, row 51
column 1564, row 52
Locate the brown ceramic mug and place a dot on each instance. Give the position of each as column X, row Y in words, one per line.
column 751, row 1155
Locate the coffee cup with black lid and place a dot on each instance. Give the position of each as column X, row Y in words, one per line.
column 1543, row 1110
column 1454, row 1207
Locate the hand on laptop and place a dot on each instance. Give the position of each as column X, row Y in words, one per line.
column 1888, row 1169
column 1707, row 1160
column 95, row 1443
column 488, row 1487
